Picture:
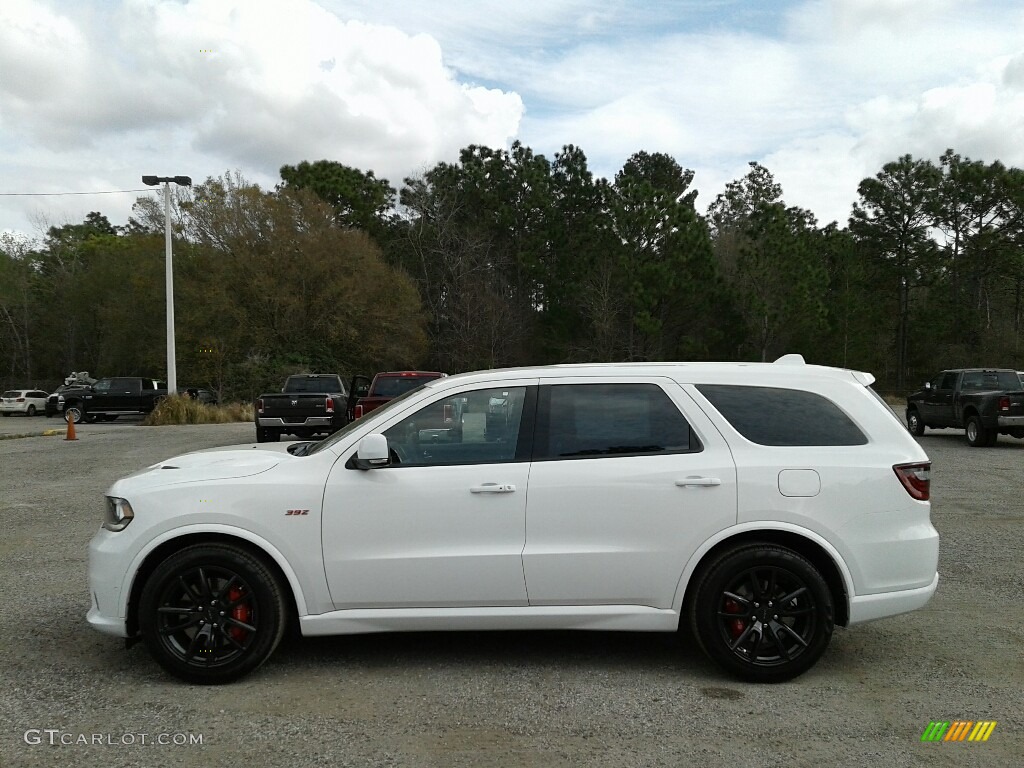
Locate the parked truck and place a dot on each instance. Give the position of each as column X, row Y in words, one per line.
column 388, row 385
column 308, row 404
column 985, row 402
column 106, row 399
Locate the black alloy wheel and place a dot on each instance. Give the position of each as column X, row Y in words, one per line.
column 763, row 613
column 212, row 613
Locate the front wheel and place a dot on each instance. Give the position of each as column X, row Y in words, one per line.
column 212, row 613
column 74, row 413
column 31, row 410
column 763, row 613
column 977, row 435
column 914, row 423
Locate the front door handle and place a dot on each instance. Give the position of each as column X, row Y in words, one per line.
column 698, row 481
column 493, row 488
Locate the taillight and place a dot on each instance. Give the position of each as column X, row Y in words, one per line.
column 357, row 413
column 259, row 405
column 916, row 478
column 20, row 400
column 1004, row 403
column 329, row 404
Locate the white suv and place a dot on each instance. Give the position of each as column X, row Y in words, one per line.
column 756, row 505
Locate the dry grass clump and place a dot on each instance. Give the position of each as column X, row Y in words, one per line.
column 176, row 409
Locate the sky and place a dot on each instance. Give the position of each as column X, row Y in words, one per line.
column 96, row 93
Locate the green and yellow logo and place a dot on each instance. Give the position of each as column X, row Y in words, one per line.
column 959, row 730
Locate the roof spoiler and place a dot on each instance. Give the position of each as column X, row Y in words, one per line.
column 791, row 360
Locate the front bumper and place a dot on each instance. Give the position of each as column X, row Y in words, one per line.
column 106, row 575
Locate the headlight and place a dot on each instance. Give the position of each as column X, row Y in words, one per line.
column 119, row 514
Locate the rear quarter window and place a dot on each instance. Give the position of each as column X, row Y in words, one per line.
column 783, row 417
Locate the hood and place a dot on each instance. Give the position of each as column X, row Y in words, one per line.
column 212, row 464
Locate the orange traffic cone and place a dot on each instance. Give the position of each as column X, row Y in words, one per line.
column 71, row 429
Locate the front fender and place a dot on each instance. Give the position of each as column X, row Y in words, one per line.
column 224, row 530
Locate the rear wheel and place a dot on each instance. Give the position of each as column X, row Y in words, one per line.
column 266, row 435
column 763, row 613
column 977, row 435
column 914, row 423
column 31, row 410
column 212, row 613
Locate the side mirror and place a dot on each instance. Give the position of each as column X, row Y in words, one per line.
column 372, row 452
column 927, row 385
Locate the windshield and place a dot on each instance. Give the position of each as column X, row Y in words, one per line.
column 382, row 411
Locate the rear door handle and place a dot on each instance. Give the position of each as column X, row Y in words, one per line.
column 698, row 481
column 493, row 488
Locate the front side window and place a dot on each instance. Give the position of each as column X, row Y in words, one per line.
column 600, row 420
column 946, row 381
column 103, row 385
column 476, row 427
column 783, row 417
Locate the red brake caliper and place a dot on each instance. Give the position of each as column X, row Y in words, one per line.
column 241, row 612
column 736, row 626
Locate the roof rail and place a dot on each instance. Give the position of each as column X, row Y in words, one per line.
column 791, row 359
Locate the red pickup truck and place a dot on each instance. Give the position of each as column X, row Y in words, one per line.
column 389, row 385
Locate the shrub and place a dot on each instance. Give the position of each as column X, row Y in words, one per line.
column 176, row 409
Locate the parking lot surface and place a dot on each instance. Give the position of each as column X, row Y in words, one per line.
column 70, row 696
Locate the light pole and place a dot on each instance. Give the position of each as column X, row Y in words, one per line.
column 183, row 181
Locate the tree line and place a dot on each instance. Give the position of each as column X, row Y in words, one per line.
column 506, row 257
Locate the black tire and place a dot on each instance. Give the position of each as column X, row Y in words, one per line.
column 762, row 612
column 212, row 613
column 74, row 412
column 977, row 435
column 914, row 423
column 266, row 435
column 7, row 414
column 31, row 411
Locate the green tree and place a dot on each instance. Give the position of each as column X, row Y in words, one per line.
column 360, row 200
column 892, row 219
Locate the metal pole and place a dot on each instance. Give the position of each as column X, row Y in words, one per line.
column 172, row 373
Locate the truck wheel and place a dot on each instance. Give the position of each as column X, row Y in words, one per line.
column 73, row 412
column 914, row 423
column 977, row 435
column 266, row 435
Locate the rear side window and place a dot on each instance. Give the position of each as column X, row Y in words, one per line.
column 772, row 416
column 596, row 420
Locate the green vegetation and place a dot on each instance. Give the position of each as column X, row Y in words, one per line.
column 177, row 409
column 506, row 257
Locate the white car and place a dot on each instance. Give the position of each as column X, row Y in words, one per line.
column 757, row 505
column 26, row 401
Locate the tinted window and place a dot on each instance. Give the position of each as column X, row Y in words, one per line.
column 990, row 380
column 126, row 385
column 592, row 420
column 12, row 393
column 771, row 416
column 464, row 428
column 393, row 386
column 315, row 385
column 103, row 385
column 946, row 381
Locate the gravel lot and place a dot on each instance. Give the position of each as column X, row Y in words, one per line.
column 501, row 699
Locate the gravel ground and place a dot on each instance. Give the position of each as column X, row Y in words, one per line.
column 501, row 699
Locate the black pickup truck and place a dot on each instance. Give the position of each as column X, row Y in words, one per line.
column 109, row 398
column 986, row 402
column 309, row 403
